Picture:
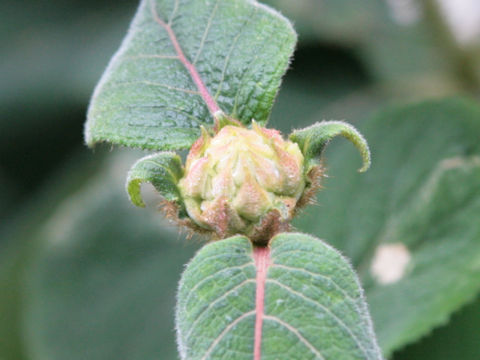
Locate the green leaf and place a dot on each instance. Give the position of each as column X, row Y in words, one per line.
column 313, row 139
column 419, row 202
column 162, row 170
column 457, row 340
column 19, row 243
column 303, row 293
column 8, row 195
column 12, row 259
column 180, row 63
column 103, row 284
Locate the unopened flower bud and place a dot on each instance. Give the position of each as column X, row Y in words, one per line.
column 243, row 181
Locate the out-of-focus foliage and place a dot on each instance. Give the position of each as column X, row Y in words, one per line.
column 20, row 242
column 458, row 340
column 421, row 194
column 406, row 43
column 353, row 58
column 103, row 286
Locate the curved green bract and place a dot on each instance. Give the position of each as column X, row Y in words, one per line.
column 313, row 140
column 313, row 303
column 162, row 170
column 180, row 63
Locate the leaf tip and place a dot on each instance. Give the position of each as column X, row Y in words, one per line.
column 134, row 192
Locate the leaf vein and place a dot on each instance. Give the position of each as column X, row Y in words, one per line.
column 244, row 76
column 230, row 51
column 194, row 75
column 297, row 333
column 210, row 305
column 174, row 12
column 325, row 309
column 201, row 282
column 205, row 33
column 291, row 268
column 225, row 332
column 152, row 83
column 177, row 110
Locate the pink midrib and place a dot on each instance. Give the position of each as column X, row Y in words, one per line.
column 202, row 89
column 261, row 256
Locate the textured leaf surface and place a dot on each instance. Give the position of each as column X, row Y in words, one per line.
column 103, row 284
column 184, row 60
column 162, row 170
column 420, row 201
column 310, row 304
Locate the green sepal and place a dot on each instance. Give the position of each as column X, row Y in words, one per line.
column 163, row 170
column 313, row 140
column 222, row 120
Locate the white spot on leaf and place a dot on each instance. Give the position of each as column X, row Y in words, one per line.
column 390, row 262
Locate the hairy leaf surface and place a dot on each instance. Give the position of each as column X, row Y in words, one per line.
column 299, row 299
column 181, row 62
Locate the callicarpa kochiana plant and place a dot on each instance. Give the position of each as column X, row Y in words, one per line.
column 202, row 75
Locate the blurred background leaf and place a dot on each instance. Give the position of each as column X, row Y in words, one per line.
column 353, row 58
column 19, row 243
column 103, row 284
column 421, row 194
column 457, row 340
column 409, row 44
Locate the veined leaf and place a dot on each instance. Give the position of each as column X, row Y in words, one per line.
column 181, row 62
column 410, row 224
column 297, row 299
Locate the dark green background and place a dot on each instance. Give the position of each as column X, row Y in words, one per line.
column 69, row 239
